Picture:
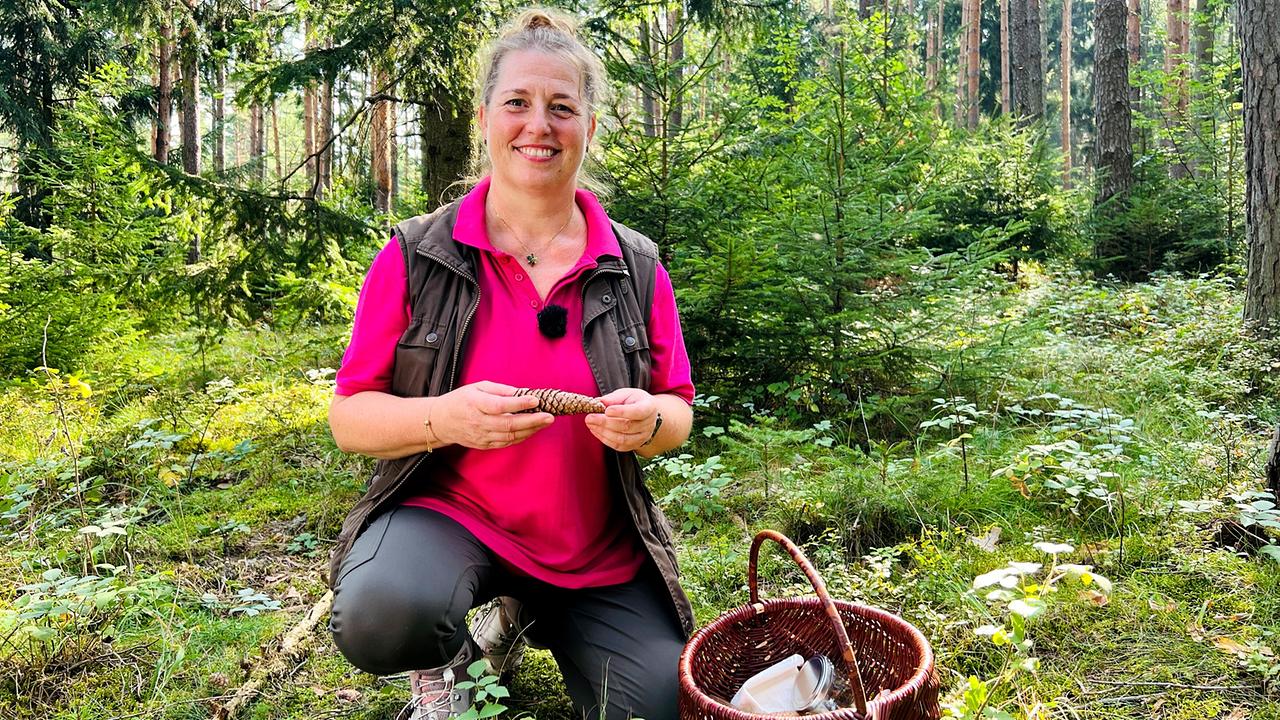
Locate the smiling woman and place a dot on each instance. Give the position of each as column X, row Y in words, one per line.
column 523, row 283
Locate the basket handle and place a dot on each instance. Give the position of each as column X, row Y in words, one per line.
column 819, row 587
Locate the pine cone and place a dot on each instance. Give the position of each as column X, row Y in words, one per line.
column 559, row 402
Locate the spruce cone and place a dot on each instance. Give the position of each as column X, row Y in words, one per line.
column 559, row 402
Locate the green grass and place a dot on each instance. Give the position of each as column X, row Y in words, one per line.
column 1184, row 634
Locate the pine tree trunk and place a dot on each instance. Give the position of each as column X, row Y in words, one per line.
column 309, row 117
column 1004, row 57
column 1204, row 40
column 1133, row 41
column 164, row 89
column 1113, row 147
column 258, row 141
column 1028, row 63
column 379, row 147
column 219, row 117
column 648, row 104
column 275, row 142
column 1175, row 67
column 1260, row 63
column 930, row 54
column 393, row 149
column 971, row 62
column 1065, row 69
column 962, row 65
column 446, row 145
column 324, row 140
column 189, row 56
column 675, row 78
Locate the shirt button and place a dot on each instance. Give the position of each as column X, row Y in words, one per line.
column 519, row 277
column 533, row 303
column 630, row 341
column 606, row 299
column 432, row 337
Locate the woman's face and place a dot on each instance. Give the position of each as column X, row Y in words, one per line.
column 536, row 125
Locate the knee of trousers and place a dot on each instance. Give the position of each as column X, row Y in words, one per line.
column 648, row 692
column 394, row 627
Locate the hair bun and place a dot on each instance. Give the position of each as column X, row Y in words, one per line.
column 536, row 18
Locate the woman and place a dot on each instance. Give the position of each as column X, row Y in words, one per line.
column 524, row 283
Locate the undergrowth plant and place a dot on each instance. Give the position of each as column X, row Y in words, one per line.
column 1017, row 594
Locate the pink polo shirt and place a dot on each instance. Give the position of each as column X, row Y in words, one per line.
column 545, row 506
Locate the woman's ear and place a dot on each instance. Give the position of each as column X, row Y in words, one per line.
column 591, row 128
column 482, row 122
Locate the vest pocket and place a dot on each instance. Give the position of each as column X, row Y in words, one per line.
column 634, row 339
column 417, row 352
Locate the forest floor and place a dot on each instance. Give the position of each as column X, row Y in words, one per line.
column 166, row 514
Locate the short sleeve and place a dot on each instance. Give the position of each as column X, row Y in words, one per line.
column 671, row 373
column 382, row 315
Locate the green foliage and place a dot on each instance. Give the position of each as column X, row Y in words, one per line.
column 998, row 176
column 696, row 497
column 1164, row 224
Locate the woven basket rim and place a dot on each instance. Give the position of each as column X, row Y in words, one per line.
column 912, row 685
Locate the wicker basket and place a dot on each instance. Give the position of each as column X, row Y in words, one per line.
column 880, row 654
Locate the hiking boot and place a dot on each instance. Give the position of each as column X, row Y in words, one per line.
column 435, row 696
column 499, row 631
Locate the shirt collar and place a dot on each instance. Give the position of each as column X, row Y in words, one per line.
column 470, row 228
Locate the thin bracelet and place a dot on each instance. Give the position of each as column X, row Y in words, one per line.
column 426, row 423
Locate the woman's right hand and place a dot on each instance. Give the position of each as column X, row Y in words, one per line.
column 486, row 416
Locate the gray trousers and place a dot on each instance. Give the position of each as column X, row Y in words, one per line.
column 404, row 591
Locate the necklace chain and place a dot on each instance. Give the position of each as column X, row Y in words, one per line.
column 530, row 257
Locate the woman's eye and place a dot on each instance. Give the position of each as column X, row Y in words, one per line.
column 563, row 110
column 515, row 102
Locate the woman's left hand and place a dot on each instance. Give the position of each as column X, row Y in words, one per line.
column 627, row 421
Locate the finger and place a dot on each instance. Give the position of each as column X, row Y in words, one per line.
column 494, row 388
column 501, row 404
column 521, row 422
column 631, row 411
column 621, row 395
column 626, row 426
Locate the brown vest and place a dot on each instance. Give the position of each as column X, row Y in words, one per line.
column 444, row 295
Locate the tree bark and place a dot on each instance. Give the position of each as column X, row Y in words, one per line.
column 219, row 117
column 324, row 140
column 446, row 145
column 962, row 66
column 1027, row 77
column 189, row 60
column 1260, row 63
column 1004, row 57
column 1175, row 66
column 972, row 52
column 1113, row 147
column 258, row 141
column 379, row 155
column 164, row 88
column 648, row 104
column 1065, row 70
column 393, row 148
column 675, row 75
column 930, row 54
column 309, row 145
column 275, row 142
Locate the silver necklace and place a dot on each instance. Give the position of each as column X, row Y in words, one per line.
column 530, row 257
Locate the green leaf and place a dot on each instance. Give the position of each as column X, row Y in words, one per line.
column 477, row 668
column 492, row 709
column 1271, row 551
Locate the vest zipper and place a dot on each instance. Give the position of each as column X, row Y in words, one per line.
column 453, row 372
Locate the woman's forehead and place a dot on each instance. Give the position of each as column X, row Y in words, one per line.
column 529, row 71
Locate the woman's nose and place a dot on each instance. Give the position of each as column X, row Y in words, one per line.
column 540, row 120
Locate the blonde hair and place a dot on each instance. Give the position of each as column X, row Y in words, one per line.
column 552, row 32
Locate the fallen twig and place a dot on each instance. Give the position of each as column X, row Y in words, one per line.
column 279, row 662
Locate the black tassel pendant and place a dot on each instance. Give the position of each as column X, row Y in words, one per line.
column 552, row 321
